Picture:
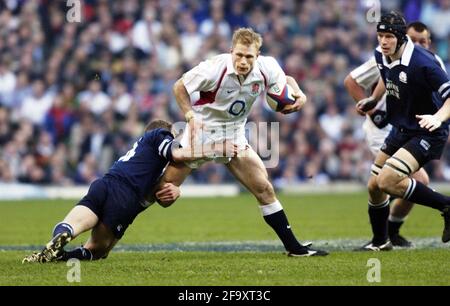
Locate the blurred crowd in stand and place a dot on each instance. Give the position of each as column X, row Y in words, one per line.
column 75, row 95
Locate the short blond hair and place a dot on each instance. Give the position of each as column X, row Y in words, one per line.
column 247, row 36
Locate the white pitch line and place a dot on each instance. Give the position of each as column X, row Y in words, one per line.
column 243, row 246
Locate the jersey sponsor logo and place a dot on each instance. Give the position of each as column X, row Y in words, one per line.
column 237, row 108
column 425, row 144
column 403, row 77
column 392, row 89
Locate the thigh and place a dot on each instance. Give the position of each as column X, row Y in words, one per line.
column 401, row 165
column 249, row 169
column 422, row 176
column 381, row 158
column 408, row 158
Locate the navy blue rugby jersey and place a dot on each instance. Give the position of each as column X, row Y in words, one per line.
column 142, row 166
column 416, row 84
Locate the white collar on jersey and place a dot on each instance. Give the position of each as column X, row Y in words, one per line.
column 230, row 68
column 406, row 56
column 252, row 74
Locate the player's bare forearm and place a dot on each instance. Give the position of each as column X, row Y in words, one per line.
column 291, row 81
column 182, row 96
column 443, row 114
column 175, row 174
column 379, row 90
column 353, row 88
column 433, row 122
column 367, row 104
column 167, row 195
column 205, row 151
column 186, row 155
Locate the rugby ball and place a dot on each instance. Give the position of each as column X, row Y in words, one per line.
column 277, row 98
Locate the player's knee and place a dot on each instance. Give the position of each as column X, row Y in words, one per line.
column 372, row 185
column 98, row 251
column 425, row 180
column 386, row 182
column 421, row 176
column 394, row 171
column 100, row 254
column 263, row 191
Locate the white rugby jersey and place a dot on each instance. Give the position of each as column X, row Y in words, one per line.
column 225, row 97
column 367, row 76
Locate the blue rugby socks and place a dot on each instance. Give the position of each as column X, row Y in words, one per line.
column 378, row 215
column 80, row 253
column 394, row 224
column 423, row 195
column 61, row 228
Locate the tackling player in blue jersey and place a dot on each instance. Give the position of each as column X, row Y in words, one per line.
column 418, row 107
column 114, row 201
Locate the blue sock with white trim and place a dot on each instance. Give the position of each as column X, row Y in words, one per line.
column 423, row 195
column 61, row 228
column 80, row 253
column 394, row 224
column 378, row 215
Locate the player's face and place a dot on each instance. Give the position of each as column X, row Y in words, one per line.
column 244, row 57
column 387, row 42
column 420, row 38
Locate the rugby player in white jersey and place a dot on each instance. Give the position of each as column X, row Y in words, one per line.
column 228, row 85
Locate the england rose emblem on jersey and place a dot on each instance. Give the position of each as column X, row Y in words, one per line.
column 255, row 89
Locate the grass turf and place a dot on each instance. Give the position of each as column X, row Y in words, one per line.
column 324, row 217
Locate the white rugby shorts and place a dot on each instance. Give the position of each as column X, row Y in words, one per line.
column 374, row 136
column 215, row 134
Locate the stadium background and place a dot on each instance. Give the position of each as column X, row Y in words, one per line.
column 74, row 96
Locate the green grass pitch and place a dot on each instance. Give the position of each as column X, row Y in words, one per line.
column 225, row 241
